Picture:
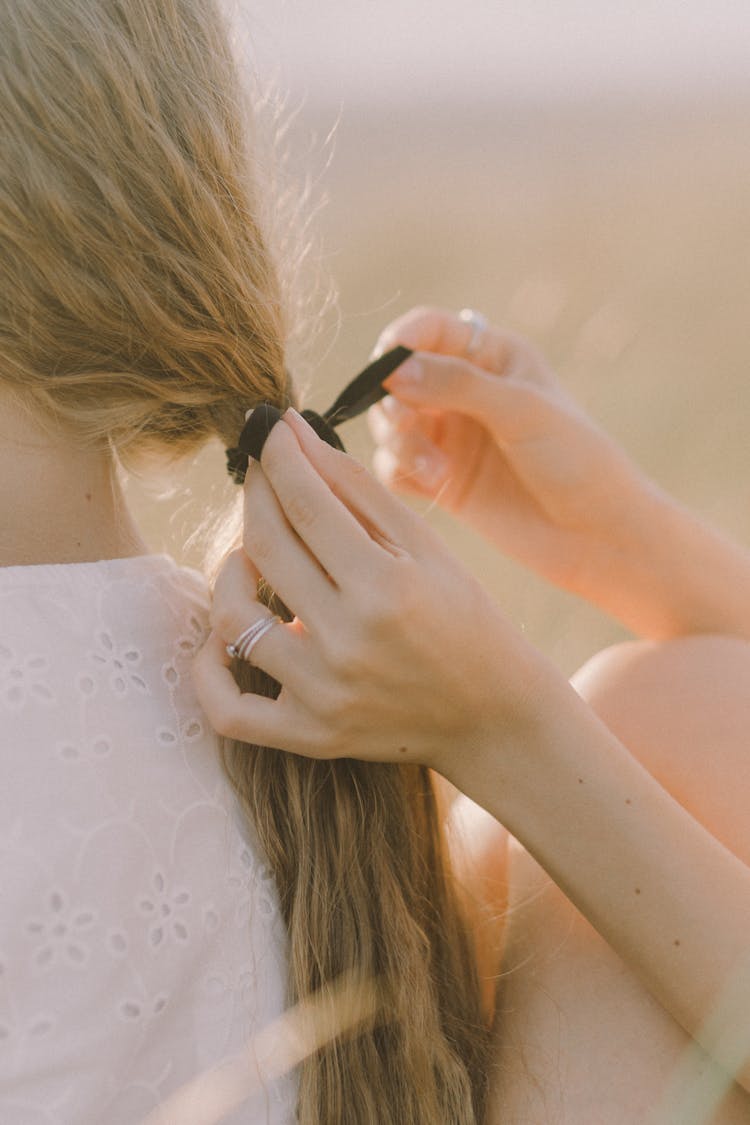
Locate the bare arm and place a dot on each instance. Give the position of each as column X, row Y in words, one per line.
column 671, row 899
column 500, row 444
column 398, row 654
column 679, row 576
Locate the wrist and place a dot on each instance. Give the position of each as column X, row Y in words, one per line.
column 663, row 572
column 517, row 713
column 699, row 580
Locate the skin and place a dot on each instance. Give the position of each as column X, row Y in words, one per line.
column 422, row 665
column 580, row 1039
column 58, row 504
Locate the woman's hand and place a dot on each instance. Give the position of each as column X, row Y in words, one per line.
column 498, row 442
column 396, row 653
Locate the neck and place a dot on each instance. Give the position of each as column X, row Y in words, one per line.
column 58, row 504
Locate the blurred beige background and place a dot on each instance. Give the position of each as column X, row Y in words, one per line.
column 602, row 210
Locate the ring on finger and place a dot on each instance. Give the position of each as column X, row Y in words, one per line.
column 478, row 324
column 249, row 638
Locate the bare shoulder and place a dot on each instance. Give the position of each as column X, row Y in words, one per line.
column 682, row 707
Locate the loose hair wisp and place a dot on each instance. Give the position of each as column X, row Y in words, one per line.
column 140, row 308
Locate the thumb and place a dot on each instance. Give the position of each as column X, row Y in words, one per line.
column 511, row 409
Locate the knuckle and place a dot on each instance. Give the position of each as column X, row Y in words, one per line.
column 335, row 705
column 300, row 511
column 395, row 601
column 224, row 619
column 455, row 373
column 377, row 610
column 357, row 469
column 352, row 665
column 339, row 459
column 230, row 726
column 337, row 654
column 346, row 656
column 258, row 544
column 351, row 469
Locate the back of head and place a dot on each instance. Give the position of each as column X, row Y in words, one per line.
column 138, row 301
column 140, row 309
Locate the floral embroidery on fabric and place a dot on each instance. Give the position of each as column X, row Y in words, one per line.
column 117, row 943
column 119, row 663
column 192, row 729
column 140, row 937
column 23, row 679
column 90, row 752
column 165, row 909
column 189, row 643
column 137, row 1009
column 58, row 933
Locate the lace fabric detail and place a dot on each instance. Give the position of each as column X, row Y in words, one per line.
column 140, row 934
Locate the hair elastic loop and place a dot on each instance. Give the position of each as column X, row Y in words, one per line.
column 363, row 391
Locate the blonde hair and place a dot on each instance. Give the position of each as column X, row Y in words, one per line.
column 139, row 302
column 140, row 308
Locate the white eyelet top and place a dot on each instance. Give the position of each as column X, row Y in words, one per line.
column 140, row 936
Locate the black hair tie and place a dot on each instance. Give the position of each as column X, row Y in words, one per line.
column 363, row 391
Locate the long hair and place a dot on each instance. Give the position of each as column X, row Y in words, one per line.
column 141, row 309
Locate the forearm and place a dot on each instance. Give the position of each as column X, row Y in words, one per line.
column 671, row 900
column 669, row 574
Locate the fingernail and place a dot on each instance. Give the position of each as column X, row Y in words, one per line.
column 306, row 433
column 291, row 415
column 408, row 374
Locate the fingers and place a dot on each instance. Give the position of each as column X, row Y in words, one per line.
column 235, row 608
column 438, row 330
column 236, row 584
column 298, row 576
column 332, row 534
column 285, row 723
column 347, row 516
column 390, row 415
column 426, row 329
column 409, row 461
column 509, row 407
column 246, row 717
column 445, row 383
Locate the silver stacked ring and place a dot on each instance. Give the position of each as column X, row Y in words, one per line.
column 248, row 639
column 478, row 324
